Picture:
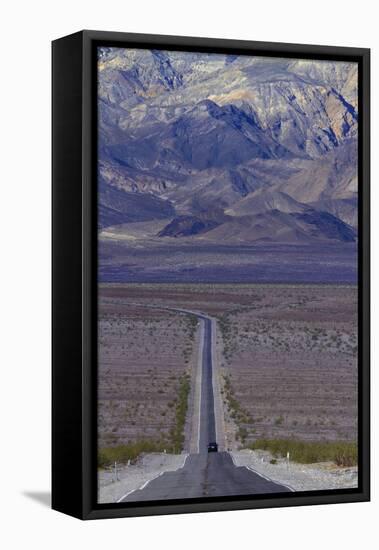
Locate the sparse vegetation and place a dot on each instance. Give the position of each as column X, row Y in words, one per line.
column 279, row 420
column 290, row 357
column 177, row 433
column 240, row 416
column 341, row 453
column 123, row 453
column 145, row 359
column 289, row 361
column 228, row 333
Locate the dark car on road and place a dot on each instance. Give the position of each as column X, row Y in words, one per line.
column 212, row 447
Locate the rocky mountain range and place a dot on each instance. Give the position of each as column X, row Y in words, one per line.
column 208, row 150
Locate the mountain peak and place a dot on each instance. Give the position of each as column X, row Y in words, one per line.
column 269, row 142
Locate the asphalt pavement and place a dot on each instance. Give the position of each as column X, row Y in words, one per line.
column 206, row 474
column 207, row 413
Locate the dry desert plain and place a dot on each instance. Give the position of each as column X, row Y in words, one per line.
column 286, row 358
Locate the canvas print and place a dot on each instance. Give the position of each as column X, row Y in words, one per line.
column 227, row 275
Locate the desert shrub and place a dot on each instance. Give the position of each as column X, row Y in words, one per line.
column 237, row 412
column 123, row 453
column 176, row 433
column 242, row 434
column 174, row 444
column 342, row 453
column 346, row 455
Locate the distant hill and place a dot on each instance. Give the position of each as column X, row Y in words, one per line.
column 117, row 206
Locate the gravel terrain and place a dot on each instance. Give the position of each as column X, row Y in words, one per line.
column 299, row 477
column 289, row 363
column 137, row 476
column 144, row 355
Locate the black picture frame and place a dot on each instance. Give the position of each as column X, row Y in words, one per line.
column 74, row 295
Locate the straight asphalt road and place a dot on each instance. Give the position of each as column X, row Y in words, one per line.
column 206, row 474
column 207, row 429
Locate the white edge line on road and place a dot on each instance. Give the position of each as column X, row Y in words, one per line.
column 214, row 382
column 148, row 481
column 269, row 479
column 262, row 475
column 139, row 488
column 184, row 462
column 126, row 494
column 202, row 335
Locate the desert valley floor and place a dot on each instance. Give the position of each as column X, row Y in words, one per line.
column 286, row 358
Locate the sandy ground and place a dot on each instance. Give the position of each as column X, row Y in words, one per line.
column 298, row 477
column 290, row 358
column 288, row 352
column 112, row 487
column 143, row 355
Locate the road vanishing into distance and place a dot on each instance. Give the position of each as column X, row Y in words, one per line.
column 205, row 474
column 207, row 421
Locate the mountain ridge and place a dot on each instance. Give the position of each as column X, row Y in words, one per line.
column 228, row 149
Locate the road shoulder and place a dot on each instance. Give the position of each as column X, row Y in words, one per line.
column 299, row 477
column 114, row 487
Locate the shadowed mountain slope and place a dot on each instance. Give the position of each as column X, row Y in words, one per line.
column 224, row 149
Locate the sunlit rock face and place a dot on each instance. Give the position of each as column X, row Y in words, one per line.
column 228, row 148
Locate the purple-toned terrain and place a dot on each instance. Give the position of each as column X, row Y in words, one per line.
column 217, row 168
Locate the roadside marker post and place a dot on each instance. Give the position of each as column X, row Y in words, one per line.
column 116, row 478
